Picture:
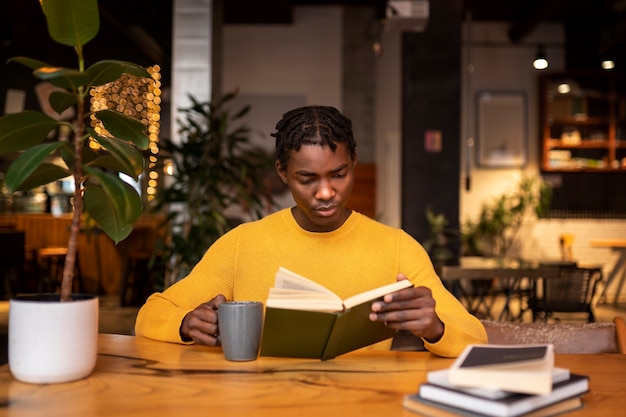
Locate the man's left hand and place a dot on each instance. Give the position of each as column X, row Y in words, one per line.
column 410, row 309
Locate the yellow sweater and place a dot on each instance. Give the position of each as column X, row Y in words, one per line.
column 362, row 254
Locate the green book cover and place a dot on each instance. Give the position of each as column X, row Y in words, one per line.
column 320, row 335
column 306, row 320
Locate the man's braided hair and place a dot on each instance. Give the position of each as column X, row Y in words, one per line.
column 312, row 125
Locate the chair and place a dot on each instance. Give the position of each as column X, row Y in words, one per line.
column 139, row 261
column 406, row 341
column 50, row 262
column 572, row 291
column 620, row 330
column 12, row 256
column 136, row 284
column 566, row 337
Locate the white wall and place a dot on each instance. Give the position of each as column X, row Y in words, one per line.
column 506, row 68
column 500, row 66
column 389, row 130
column 304, row 60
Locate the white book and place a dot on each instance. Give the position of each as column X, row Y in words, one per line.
column 518, row 368
column 441, row 378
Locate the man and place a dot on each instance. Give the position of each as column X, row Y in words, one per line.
column 321, row 239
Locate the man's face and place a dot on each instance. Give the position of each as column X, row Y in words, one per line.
column 320, row 181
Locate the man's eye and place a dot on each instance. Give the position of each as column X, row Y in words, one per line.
column 339, row 176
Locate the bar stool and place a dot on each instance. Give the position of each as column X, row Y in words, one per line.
column 50, row 261
column 12, row 258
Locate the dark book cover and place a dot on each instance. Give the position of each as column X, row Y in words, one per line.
column 516, row 404
column 503, row 355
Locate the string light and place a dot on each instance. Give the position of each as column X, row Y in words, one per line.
column 139, row 98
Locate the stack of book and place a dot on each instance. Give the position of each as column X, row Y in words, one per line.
column 500, row 381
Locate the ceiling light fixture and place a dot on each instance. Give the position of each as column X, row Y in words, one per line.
column 563, row 88
column 608, row 64
column 540, row 62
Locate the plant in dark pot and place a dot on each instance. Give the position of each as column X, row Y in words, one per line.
column 53, row 337
column 216, row 167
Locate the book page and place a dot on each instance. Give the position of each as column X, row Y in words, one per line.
column 289, row 280
column 376, row 293
column 303, row 300
column 295, row 292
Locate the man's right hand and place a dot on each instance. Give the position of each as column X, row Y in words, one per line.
column 201, row 324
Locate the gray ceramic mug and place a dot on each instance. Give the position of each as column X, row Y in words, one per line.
column 240, row 324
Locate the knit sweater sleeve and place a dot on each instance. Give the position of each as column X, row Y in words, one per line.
column 460, row 327
column 162, row 314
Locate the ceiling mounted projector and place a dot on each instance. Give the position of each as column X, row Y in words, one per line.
column 407, row 15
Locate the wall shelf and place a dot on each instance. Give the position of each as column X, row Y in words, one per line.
column 583, row 128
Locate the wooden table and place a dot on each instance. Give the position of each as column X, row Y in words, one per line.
column 140, row 377
column 618, row 245
column 509, row 274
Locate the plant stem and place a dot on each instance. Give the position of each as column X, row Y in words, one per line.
column 69, row 267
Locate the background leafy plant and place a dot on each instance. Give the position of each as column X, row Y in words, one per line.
column 215, row 166
column 437, row 243
column 496, row 227
column 109, row 201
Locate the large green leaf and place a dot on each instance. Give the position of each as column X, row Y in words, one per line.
column 66, row 78
column 130, row 159
column 72, row 22
column 29, row 62
column 108, row 162
column 112, row 203
column 28, row 162
column 124, row 127
column 61, row 100
column 43, row 175
column 19, row 131
column 103, row 72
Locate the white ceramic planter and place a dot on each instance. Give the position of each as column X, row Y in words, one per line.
column 50, row 341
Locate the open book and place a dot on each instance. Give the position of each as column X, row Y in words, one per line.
column 294, row 291
column 304, row 319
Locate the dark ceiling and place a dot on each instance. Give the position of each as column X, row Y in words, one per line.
column 140, row 30
column 594, row 28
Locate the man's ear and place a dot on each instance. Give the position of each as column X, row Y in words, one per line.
column 282, row 174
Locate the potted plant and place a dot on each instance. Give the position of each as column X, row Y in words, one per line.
column 215, row 167
column 437, row 243
column 53, row 338
column 495, row 230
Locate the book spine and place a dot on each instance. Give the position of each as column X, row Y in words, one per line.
column 335, row 338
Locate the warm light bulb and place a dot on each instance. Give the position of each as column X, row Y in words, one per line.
column 563, row 88
column 608, row 64
column 540, row 63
